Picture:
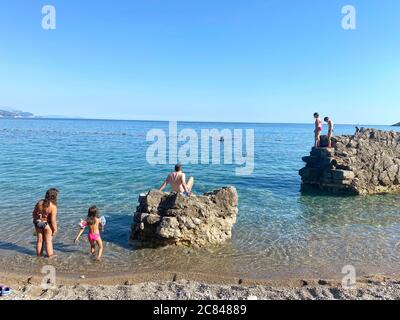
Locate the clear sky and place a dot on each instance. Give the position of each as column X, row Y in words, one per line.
column 203, row 60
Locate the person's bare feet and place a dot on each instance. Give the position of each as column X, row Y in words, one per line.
column 52, row 256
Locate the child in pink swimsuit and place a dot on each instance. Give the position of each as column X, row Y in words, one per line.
column 93, row 222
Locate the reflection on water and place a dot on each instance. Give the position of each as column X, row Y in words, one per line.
column 279, row 231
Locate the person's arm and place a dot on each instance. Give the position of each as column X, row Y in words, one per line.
column 164, row 185
column 184, row 184
column 53, row 223
column 83, row 225
column 79, row 235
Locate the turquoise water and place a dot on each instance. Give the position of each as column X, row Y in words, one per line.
column 279, row 232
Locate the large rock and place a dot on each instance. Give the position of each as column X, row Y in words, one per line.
column 171, row 218
column 367, row 162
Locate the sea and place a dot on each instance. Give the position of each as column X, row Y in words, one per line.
column 279, row 233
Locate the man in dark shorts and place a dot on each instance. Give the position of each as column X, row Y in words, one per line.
column 330, row 130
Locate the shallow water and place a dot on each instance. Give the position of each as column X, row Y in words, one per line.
column 279, row 233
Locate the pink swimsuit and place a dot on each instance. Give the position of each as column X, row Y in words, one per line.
column 91, row 236
column 319, row 125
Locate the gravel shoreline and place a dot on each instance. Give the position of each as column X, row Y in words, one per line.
column 368, row 288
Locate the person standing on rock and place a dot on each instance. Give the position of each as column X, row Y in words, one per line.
column 330, row 130
column 177, row 180
column 318, row 129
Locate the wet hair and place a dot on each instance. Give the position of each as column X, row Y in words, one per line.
column 50, row 197
column 178, row 167
column 93, row 213
column 326, row 119
column 316, row 115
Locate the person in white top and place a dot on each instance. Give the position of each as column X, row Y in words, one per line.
column 177, row 180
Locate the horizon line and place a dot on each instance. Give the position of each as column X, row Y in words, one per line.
column 191, row 121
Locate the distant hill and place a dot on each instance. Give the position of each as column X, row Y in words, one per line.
column 397, row 124
column 6, row 112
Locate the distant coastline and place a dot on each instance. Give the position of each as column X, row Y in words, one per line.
column 9, row 113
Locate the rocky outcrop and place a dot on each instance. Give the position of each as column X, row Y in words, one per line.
column 367, row 162
column 171, row 218
column 397, row 124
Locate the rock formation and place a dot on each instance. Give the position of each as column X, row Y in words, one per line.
column 367, row 162
column 171, row 218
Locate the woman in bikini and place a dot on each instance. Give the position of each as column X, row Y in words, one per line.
column 45, row 221
column 318, row 129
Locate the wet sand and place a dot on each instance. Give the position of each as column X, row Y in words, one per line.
column 167, row 286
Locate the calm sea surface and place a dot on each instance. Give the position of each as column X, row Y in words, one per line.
column 279, row 232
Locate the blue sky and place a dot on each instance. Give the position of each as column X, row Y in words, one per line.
column 203, row 60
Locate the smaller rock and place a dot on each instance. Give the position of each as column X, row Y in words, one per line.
column 304, row 283
column 153, row 218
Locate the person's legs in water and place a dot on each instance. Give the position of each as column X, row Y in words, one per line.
column 100, row 245
column 190, row 183
column 92, row 247
column 39, row 242
column 48, row 240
